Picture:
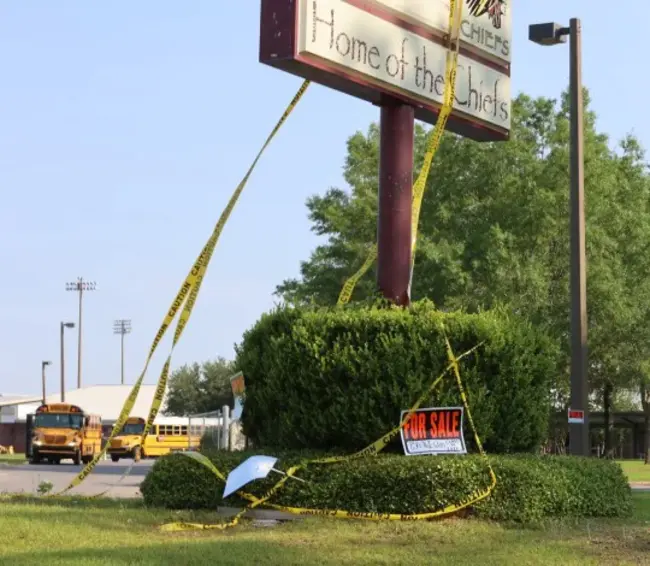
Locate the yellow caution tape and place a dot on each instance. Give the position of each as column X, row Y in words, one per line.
column 188, row 293
column 371, row 450
column 351, row 283
column 254, row 501
column 455, row 17
column 451, row 66
column 344, row 297
column 186, row 298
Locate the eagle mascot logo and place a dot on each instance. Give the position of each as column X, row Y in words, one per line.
column 494, row 9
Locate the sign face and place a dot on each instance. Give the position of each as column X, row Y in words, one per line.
column 576, row 416
column 358, row 47
column 434, row 431
column 485, row 31
column 238, row 386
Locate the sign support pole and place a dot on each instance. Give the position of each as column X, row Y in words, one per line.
column 397, row 125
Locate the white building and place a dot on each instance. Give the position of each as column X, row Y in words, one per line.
column 106, row 401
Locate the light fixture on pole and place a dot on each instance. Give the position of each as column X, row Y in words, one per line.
column 554, row 34
column 80, row 286
column 122, row 327
column 64, row 325
column 44, row 364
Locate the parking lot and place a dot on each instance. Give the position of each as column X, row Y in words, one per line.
column 106, row 475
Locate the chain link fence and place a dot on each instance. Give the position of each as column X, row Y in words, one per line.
column 210, row 430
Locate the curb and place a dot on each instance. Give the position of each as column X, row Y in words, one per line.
column 261, row 514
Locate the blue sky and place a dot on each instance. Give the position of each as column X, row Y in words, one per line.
column 124, row 128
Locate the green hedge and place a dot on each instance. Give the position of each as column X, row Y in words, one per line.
column 339, row 377
column 529, row 488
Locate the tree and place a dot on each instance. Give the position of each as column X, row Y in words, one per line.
column 633, row 203
column 494, row 231
column 200, row 388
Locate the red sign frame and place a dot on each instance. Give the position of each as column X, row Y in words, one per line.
column 279, row 49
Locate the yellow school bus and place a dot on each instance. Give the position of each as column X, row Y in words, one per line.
column 168, row 434
column 64, row 431
column 127, row 443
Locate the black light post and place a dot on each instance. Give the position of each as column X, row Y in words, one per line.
column 554, row 34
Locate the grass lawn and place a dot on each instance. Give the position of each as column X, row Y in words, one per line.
column 636, row 470
column 106, row 532
column 12, row 459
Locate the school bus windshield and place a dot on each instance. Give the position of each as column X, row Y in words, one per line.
column 132, row 428
column 58, row 420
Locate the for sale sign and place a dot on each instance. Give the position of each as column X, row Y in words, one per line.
column 434, row 431
column 576, row 416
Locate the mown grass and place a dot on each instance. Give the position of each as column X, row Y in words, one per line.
column 636, row 470
column 14, row 459
column 103, row 532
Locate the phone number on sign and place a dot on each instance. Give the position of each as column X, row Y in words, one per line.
column 438, row 445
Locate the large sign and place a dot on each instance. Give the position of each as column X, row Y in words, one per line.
column 486, row 30
column 361, row 49
column 434, row 431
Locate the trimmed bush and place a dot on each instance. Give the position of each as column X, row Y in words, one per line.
column 339, row 377
column 529, row 488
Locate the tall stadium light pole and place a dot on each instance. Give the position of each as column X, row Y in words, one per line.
column 79, row 286
column 64, row 325
column 122, row 327
column 44, row 364
column 554, row 34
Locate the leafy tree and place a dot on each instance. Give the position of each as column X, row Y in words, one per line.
column 200, row 388
column 494, row 230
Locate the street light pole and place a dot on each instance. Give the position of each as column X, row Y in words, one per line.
column 122, row 327
column 43, row 366
column 64, row 325
column 579, row 433
column 553, row 34
column 80, row 286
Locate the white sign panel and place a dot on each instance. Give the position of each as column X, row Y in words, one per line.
column 488, row 30
column 358, row 42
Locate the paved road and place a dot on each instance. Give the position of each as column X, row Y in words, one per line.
column 26, row 478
